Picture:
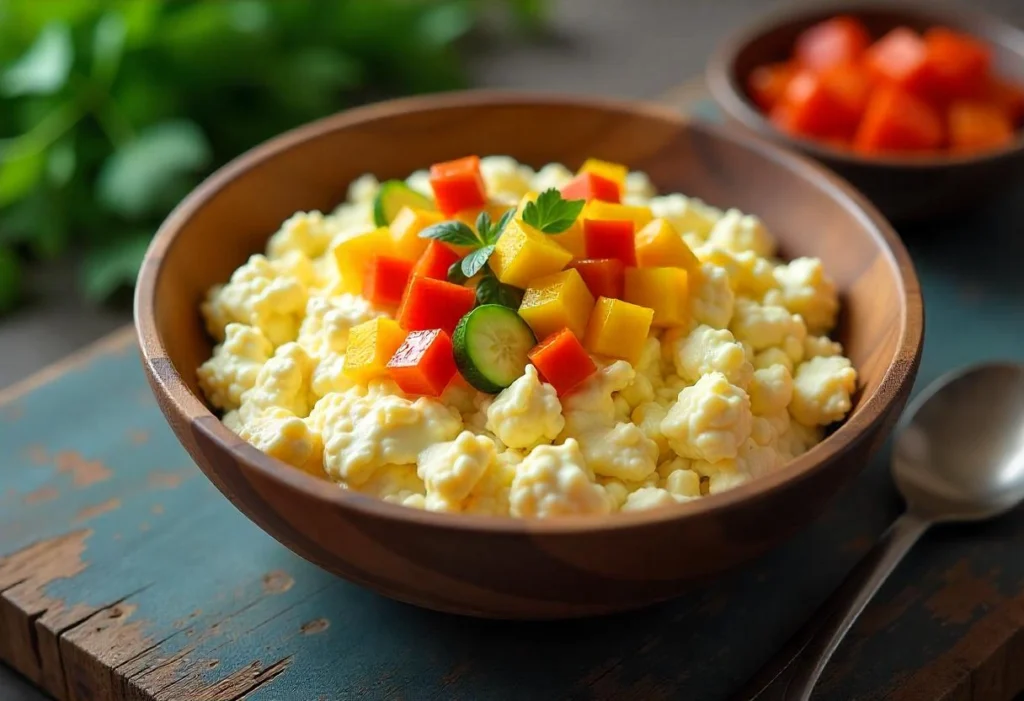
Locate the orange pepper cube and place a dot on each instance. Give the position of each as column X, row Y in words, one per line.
column 609, row 211
column 353, row 254
column 406, row 228
column 557, row 302
column 958, row 64
column 523, row 254
column 977, row 126
column 837, row 41
column 616, row 172
column 665, row 290
column 385, row 279
column 571, row 239
column 618, row 329
column 458, row 185
column 434, row 304
column 424, row 364
column 900, row 58
column 659, row 245
column 603, row 277
column 370, row 346
column 562, row 361
column 591, row 186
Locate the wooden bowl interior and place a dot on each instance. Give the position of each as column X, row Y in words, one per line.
column 232, row 216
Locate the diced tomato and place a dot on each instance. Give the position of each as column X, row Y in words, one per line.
column 590, row 186
column 604, row 277
column 1008, row 96
column 434, row 304
column 562, row 361
column 895, row 120
column 424, row 363
column 385, row 279
column 900, row 58
column 958, row 64
column 827, row 104
column 610, row 238
column 834, row 42
column 458, row 185
column 435, row 261
column 978, row 126
column 767, row 84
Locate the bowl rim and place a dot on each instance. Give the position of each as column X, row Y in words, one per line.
column 177, row 399
column 720, row 76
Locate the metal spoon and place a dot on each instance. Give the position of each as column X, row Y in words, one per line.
column 958, row 456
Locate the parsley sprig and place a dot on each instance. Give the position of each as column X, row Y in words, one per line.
column 552, row 214
column 481, row 241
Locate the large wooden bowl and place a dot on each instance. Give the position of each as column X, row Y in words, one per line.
column 501, row 567
column 903, row 188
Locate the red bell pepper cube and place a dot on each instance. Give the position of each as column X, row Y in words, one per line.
column 900, row 58
column 434, row 304
column 895, row 120
column 385, row 279
column 767, row 84
column 958, row 64
column 562, row 361
column 610, row 238
column 590, row 186
column 435, row 261
column 824, row 105
column 978, row 126
column 424, row 363
column 834, row 42
column 604, row 277
column 458, row 185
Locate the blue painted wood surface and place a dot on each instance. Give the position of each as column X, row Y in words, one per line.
column 126, row 575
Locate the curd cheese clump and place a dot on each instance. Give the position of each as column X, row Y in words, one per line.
column 748, row 380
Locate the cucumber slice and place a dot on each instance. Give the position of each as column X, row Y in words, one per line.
column 392, row 196
column 491, row 345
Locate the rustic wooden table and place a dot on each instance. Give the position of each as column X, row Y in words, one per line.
column 620, row 47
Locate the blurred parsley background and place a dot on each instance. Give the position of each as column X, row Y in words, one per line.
column 112, row 110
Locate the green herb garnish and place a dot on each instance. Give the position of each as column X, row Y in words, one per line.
column 551, row 213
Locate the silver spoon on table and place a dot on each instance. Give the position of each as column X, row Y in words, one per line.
column 958, row 455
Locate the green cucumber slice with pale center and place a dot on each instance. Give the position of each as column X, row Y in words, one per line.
column 491, row 346
column 392, row 196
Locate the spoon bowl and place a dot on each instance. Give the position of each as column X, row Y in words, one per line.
column 959, row 451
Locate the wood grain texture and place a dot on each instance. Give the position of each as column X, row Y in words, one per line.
column 902, row 188
column 505, row 567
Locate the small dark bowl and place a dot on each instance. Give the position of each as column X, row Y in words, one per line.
column 902, row 187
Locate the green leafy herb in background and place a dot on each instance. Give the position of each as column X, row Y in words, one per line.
column 112, row 111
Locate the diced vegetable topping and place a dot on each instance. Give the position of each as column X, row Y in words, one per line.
column 665, row 290
column 555, row 302
column 603, row 277
column 385, row 280
column 767, row 84
column 610, row 239
column 406, row 228
column 835, row 42
column 640, row 216
column 659, row 245
column 977, row 126
column 827, row 104
column 492, row 344
column 458, row 185
column 392, row 196
column 591, row 186
column 370, row 347
column 895, row 120
column 523, row 253
column 562, row 361
column 900, row 58
column 354, row 253
column 434, row 304
column 616, row 172
column 435, row 261
column 424, row 363
column 958, row 65
column 618, row 329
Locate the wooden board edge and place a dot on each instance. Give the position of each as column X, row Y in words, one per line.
column 112, row 342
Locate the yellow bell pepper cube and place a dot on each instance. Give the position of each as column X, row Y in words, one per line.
column 406, row 228
column 555, row 302
column 616, row 172
column 353, row 254
column 618, row 329
column 571, row 239
column 640, row 216
column 523, row 254
column 665, row 290
column 659, row 245
column 370, row 346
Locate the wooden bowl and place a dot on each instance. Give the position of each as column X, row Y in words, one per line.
column 503, row 567
column 903, row 188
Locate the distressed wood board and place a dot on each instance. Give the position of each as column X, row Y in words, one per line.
column 125, row 575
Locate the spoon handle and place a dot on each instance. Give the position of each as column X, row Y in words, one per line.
column 793, row 672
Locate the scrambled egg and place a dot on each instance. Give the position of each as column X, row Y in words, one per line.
column 749, row 385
